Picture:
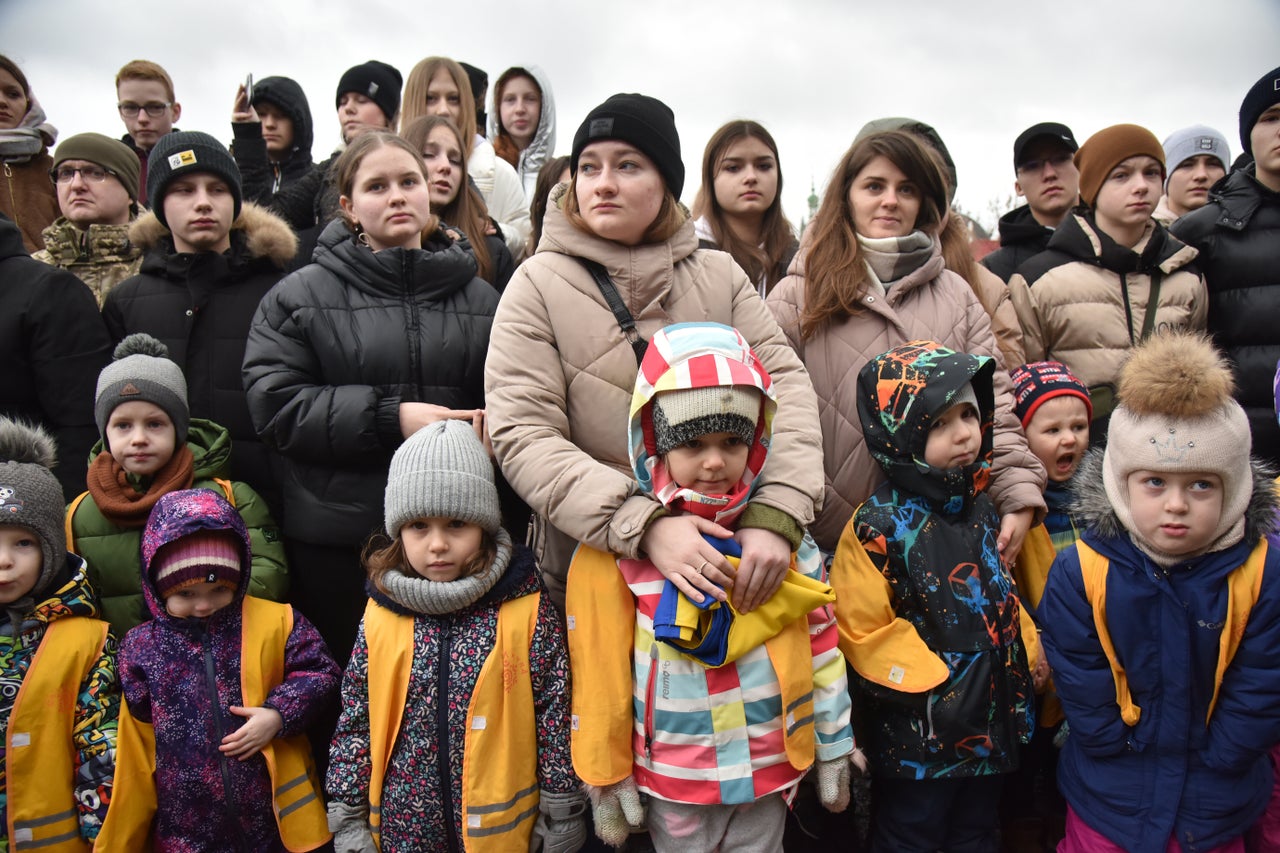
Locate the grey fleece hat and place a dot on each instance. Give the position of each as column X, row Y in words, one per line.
column 442, row 471
column 30, row 495
column 1192, row 141
column 141, row 371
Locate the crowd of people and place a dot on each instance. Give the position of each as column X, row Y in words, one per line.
column 448, row 494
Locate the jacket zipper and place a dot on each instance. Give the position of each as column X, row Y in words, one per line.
column 650, row 690
column 442, row 736
column 13, row 201
column 211, row 678
column 415, row 362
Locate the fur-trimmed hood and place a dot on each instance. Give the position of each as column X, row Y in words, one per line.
column 1092, row 511
column 263, row 235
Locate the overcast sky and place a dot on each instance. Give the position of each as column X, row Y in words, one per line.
column 812, row 71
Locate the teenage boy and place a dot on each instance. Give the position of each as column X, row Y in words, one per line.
column 209, row 261
column 1048, row 179
column 1197, row 158
column 97, row 182
column 273, row 135
column 1238, row 235
column 148, row 108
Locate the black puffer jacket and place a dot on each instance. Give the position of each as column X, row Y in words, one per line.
column 52, row 345
column 1238, row 235
column 335, row 349
column 260, row 178
column 200, row 306
column 1021, row 238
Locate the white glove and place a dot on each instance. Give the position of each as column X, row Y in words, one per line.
column 350, row 828
column 617, row 811
column 833, row 783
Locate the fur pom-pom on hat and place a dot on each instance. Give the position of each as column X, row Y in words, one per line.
column 1178, row 376
column 30, row 495
column 1177, row 415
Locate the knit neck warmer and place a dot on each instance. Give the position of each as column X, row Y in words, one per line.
column 892, row 258
column 440, row 598
column 121, row 503
column 19, row 144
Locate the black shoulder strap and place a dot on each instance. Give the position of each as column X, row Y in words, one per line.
column 616, row 305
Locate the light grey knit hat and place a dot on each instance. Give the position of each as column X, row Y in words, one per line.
column 30, row 495
column 442, row 471
column 1192, row 141
column 141, row 370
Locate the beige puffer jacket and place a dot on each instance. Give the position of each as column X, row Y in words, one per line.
column 560, row 375
column 931, row 303
column 1072, row 303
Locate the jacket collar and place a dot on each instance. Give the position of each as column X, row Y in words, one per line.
column 1238, row 196
column 1081, row 238
column 442, row 267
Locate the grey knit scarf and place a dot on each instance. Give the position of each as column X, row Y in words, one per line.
column 438, row 598
column 19, row 144
column 893, row 258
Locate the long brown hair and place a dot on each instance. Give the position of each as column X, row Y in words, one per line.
column 382, row 555
column 762, row 259
column 467, row 210
column 836, row 276
column 349, row 164
column 502, row 141
column 414, row 103
column 548, row 177
column 9, row 65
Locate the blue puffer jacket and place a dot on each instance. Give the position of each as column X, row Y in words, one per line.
column 1171, row 774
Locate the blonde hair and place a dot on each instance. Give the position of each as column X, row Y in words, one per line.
column 414, row 102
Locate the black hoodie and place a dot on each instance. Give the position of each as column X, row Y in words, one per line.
column 1021, row 238
column 260, row 178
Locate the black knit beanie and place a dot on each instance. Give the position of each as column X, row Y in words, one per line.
column 646, row 123
column 377, row 81
column 185, row 152
column 1259, row 99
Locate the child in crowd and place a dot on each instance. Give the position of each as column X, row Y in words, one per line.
column 59, row 697
column 1055, row 411
column 219, row 689
column 929, row 617
column 730, row 709
column 1161, row 623
column 454, row 732
column 152, row 446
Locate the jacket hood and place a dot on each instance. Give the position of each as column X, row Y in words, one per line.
column 11, row 239
column 1092, row 510
column 286, row 94
column 697, row 355
column 899, row 391
column 1081, row 238
column 443, row 266
column 256, row 233
column 210, row 446
column 69, row 594
column 179, row 514
column 543, row 145
column 1020, row 226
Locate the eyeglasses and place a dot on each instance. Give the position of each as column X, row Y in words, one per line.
column 92, row 174
column 1057, row 161
column 155, row 109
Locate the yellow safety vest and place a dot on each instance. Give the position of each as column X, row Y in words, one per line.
column 39, row 753
column 500, row 758
column 1243, row 586
column 299, row 810
column 600, row 613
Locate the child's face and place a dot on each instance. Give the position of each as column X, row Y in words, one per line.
column 1177, row 513
column 20, row 562
column 711, row 464
column 199, row 601
column 141, row 437
column 955, row 437
column 1059, row 435
column 438, row 549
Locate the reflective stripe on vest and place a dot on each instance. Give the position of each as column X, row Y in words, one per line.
column 500, row 758
column 1243, row 585
column 39, row 753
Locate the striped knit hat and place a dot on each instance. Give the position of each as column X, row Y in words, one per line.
column 205, row 556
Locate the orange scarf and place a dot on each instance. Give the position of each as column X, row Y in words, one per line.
column 122, row 504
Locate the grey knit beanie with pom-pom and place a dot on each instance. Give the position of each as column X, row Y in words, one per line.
column 142, row 371
column 31, row 497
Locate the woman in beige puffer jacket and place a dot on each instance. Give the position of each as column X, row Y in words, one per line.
column 884, row 285
column 560, row 372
